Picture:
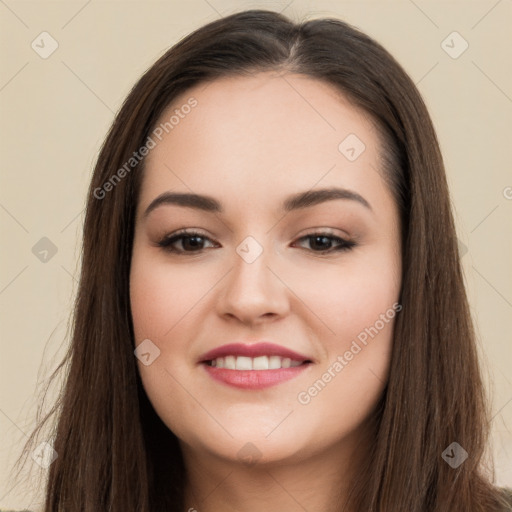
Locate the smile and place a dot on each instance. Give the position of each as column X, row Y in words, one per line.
column 254, row 363
column 253, row 366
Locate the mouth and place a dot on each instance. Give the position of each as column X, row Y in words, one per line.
column 253, row 365
column 256, row 373
column 244, row 363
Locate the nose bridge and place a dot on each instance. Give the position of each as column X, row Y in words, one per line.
column 251, row 289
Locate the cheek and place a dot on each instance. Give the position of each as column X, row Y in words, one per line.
column 349, row 296
column 355, row 306
column 163, row 303
column 161, row 295
column 348, row 383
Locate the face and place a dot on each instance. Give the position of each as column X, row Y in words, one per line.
column 318, row 275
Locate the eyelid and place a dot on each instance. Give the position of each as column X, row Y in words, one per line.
column 311, row 231
column 325, row 231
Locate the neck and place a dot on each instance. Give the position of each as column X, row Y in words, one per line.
column 320, row 482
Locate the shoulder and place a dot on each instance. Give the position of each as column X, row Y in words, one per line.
column 506, row 492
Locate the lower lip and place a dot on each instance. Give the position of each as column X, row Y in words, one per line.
column 254, row 379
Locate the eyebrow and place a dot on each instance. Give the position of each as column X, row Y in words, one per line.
column 294, row 202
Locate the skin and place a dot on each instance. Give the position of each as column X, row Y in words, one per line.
column 251, row 142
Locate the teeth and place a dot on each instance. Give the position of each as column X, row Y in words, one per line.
column 254, row 363
column 229, row 362
column 260, row 363
column 274, row 362
column 243, row 363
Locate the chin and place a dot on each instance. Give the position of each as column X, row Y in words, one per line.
column 252, row 445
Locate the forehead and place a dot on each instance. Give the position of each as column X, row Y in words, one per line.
column 259, row 136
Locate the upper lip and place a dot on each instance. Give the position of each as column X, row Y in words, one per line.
column 264, row 348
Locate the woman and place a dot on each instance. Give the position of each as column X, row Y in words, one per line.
column 269, row 232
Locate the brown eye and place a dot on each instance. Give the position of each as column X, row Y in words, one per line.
column 324, row 242
column 189, row 242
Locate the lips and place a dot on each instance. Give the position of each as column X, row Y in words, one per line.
column 253, row 366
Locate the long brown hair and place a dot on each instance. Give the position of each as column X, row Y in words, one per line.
column 114, row 452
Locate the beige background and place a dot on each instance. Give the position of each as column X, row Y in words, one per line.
column 56, row 111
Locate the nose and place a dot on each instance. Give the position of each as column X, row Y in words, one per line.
column 253, row 292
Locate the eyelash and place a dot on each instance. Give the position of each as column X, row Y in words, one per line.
column 168, row 240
